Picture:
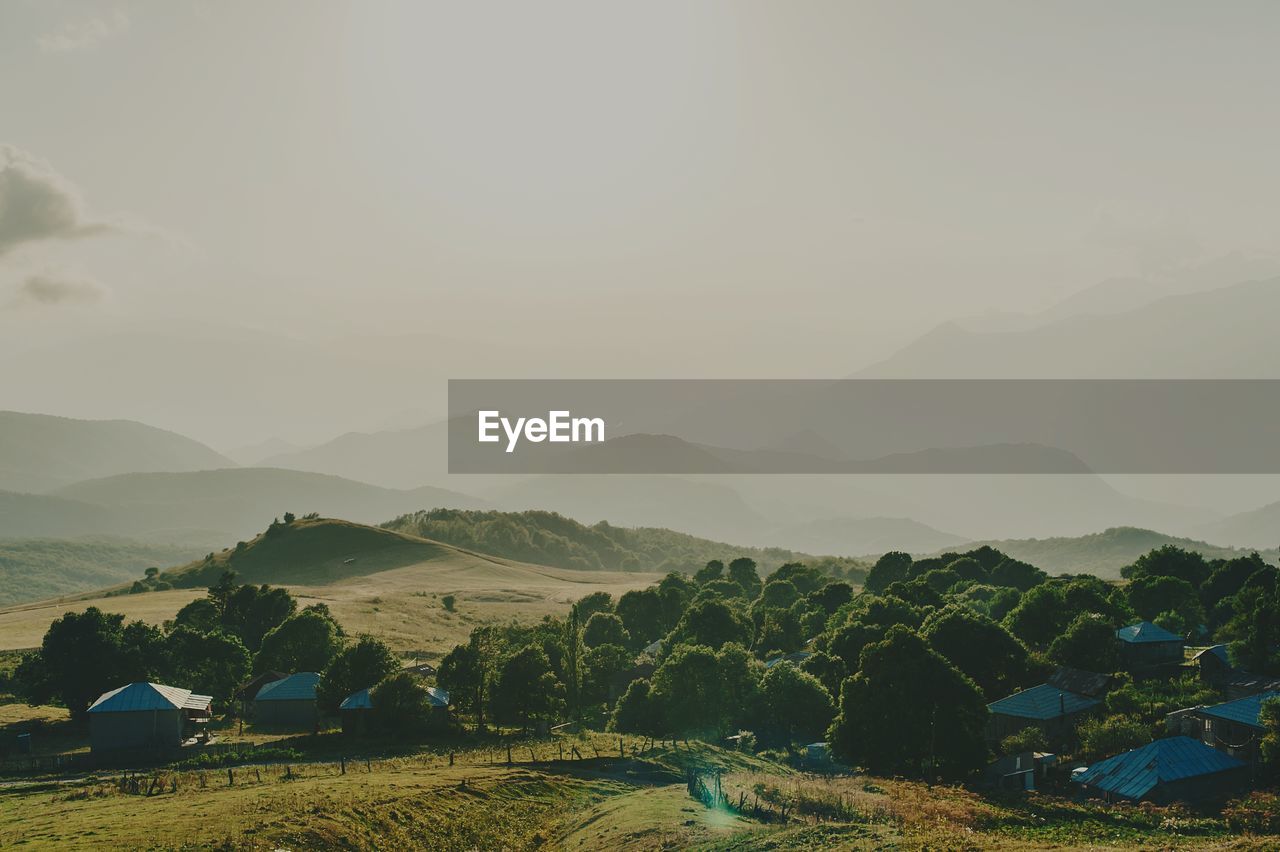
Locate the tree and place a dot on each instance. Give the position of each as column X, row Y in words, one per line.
column 1111, row 735
column 1151, row 595
column 1257, row 628
column 1169, row 561
column 1088, row 643
column 251, row 612
column 1016, row 574
column 713, row 570
column 1039, row 617
column 979, row 648
column 1030, row 738
column 831, row 597
column 890, row 568
column 792, row 704
column 360, row 666
column 675, row 591
column 214, row 663
column 806, row 579
column 307, row 642
column 526, row 688
column 702, row 693
column 778, row 593
column 463, row 674
column 605, row 629
column 86, row 654
column 641, row 614
column 593, row 603
column 448, row 602
column 827, row 668
column 638, row 712
column 1269, row 715
column 909, row 711
column 940, row 579
column 601, row 667
column 201, row 615
column 743, row 572
column 712, row 623
column 848, row 642
column 400, row 704
column 968, row 568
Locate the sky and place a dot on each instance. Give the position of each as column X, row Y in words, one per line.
column 246, row 219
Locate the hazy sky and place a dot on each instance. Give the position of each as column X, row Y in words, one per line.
column 659, row 188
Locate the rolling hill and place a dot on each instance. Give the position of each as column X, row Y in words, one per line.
column 235, row 503
column 40, row 453
column 864, row 536
column 1256, row 528
column 1105, row 553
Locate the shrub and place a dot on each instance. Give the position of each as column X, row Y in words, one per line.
column 448, row 601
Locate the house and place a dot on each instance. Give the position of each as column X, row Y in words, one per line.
column 248, row 691
column 1047, row 707
column 1167, row 770
column 817, row 753
column 1234, row 727
column 145, row 716
column 1079, row 681
column 1019, row 771
column 795, row 657
column 288, row 703
column 1147, row 648
column 356, row 710
column 1213, row 664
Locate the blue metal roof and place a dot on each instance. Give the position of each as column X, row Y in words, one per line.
column 357, row 701
column 1219, row 651
column 1136, row 773
column 296, row 687
column 141, row 696
column 1042, row 702
column 1145, row 631
column 1245, row 711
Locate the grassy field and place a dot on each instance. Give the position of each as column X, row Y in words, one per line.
column 423, row 801
column 396, row 595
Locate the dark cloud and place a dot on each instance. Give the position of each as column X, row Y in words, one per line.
column 37, row 203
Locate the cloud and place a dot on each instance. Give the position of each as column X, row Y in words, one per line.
column 37, row 203
column 85, row 32
column 57, row 288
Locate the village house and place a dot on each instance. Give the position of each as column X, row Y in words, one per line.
column 1234, row 727
column 1019, row 771
column 1054, row 707
column 356, row 710
column 288, row 703
column 145, row 716
column 1148, row 649
column 1213, row 665
column 1167, row 770
column 249, row 691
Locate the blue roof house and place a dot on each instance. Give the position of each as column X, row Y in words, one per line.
column 1055, row 711
column 145, row 716
column 1235, row 727
column 1167, row 770
column 288, row 703
column 1147, row 648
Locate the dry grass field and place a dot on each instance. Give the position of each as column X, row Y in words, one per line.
column 395, row 595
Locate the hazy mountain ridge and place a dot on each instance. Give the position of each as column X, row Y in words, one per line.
column 40, row 452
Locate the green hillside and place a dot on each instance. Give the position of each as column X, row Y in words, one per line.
column 548, row 538
column 1105, row 553
column 34, row 569
column 311, row 551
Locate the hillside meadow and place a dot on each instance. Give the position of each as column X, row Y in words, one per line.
column 394, row 591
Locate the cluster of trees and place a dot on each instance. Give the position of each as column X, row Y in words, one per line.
column 896, row 677
column 213, row 645
column 549, row 538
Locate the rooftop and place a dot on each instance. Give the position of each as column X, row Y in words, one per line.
column 361, row 700
column 1135, row 773
column 1219, row 651
column 142, row 696
column 1244, row 711
column 295, row 687
column 1145, row 631
column 1042, row 702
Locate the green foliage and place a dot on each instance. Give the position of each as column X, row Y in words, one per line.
column 214, row 663
column 1255, row 628
column 713, row 623
column 746, row 574
column 464, row 672
column 526, row 689
column 1040, row 616
column 306, row 642
column 909, row 711
column 601, row 666
column 1030, row 738
column 448, row 602
column 1088, row 643
column 979, row 648
column 86, row 654
column 827, row 668
column 1152, row 700
column 890, row 568
column 638, row 711
column 704, row 693
column 593, row 603
column 792, row 705
column 605, row 628
column 355, row 667
column 641, row 614
column 400, row 704
column 1269, row 715
column 1151, row 595
column 1111, row 735
column 1014, row 573
column 1169, row 561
